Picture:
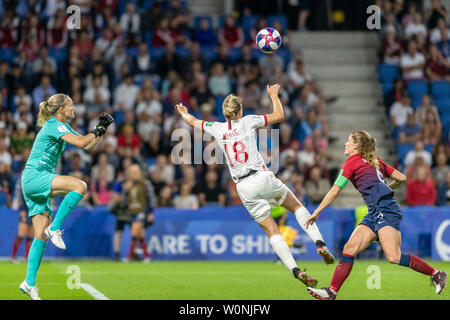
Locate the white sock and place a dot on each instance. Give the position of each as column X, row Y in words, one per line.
column 302, row 215
column 282, row 250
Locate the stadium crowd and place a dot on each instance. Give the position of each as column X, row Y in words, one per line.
column 136, row 60
column 414, row 73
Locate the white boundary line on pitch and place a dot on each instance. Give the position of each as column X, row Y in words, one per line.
column 97, row 295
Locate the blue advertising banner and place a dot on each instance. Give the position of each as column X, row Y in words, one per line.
column 215, row 233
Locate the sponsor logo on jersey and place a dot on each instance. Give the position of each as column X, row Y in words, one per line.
column 208, row 124
column 62, row 129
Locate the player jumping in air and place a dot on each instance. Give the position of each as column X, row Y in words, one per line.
column 40, row 184
column 367, row 173
column 258, row 187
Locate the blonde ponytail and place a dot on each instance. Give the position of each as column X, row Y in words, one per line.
column 43, row 115
column 367, row 147
column 49, row 108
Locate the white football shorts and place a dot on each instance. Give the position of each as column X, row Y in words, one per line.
column 261, row 191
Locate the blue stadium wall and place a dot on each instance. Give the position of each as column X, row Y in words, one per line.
column 216, row 233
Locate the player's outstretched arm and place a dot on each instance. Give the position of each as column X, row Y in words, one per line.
column 398, row 178
column 278, row 114
column 187, row 117
column 329, row 198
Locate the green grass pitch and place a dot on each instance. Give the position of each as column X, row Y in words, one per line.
column 213, row 280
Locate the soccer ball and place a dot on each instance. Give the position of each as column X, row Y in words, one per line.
column 268, row 40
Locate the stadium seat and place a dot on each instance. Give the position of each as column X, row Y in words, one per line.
column 157, row 52
column 440, row 89
column 148, row 36
column 150, row 161
column 249, row 22
column 182, row 51
column 387, row 86
column 429, row 147
column 443, row 105
column 417, row 89
column 235, row 54
column 402, row 150
column 3, row 199
column 60, row 54
column 131, row 51
column 285, row 54
column 256, row 53
column 416, row 102
column 197, row 20
column 208, row 52
column 8, row 54
column 388, row 73
column 277, row 17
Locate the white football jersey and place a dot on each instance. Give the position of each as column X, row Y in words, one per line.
column 237, row 139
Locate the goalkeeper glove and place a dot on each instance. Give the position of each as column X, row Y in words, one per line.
column 105, row 120
column 99, row 130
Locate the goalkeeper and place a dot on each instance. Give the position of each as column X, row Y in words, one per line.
column 40, row 183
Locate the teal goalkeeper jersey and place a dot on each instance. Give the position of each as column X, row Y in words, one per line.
column 48, row 146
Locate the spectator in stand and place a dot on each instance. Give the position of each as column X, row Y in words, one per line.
column 415, row 27
column 410, row 132
column 200, row 93
column 21, row 140
column 104, row 166
column 437, row 66
column 440, row 171
column 44, row 59
column 141, row 65
column 129, row 138
column 219, row 82
column 267, row 64
column 230, row 34
column 162, row 35
column 162, row 171
column 125, row 94
column 444, row 45
column 419, row 151
column 57, row 31
column 101, row 189
column 435, row 34
column 434, row 13
column 316, row 187
column 392, row 49
column 426, row 107
column 205, row 35
column 412, row 63
column 171, row 61
column 210, row 192
column 420, row 191
column 391, row 25
column 431, row 129
column 443, row 191
column 223, row 57
column 399, row 111
column 164, row 198
column 251, row 93
column 306, row 156
column 97, row 96
column 309, row 125
column 130, row 20
column 84, row 43
column 43, row 91
column 186, row 199
column 5, row 155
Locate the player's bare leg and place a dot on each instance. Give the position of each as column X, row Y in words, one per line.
column 360, row 239
column 302, row 215
column 282, row 250
column 390, row 240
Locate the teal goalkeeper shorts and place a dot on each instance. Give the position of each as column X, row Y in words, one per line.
column 36, row 188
